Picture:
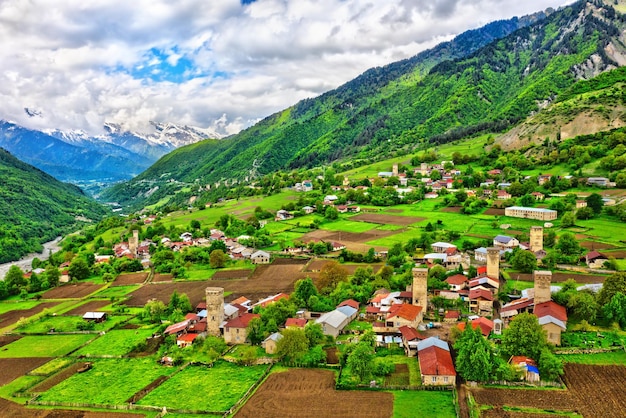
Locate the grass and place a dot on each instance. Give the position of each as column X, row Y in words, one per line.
column 67, row 324
column 44, row 346
column 17, row 306
column 109, row 382
column 19, row 384
column 116, row 343
column 609, row 358
column 346, row 225
column 117, row 291
column 52, row 366
column 229, row 383
column 432, row 404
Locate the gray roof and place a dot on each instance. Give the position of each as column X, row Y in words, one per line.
column 432, row 341
column 549, row 319
column 334, row 318
column 347, row 310
column 275, row 337
column 228, row 310
column 94, row 315
column 260, row 254
column 543, row 210
column 504, row 239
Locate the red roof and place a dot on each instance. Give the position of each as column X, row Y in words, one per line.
column 515, row 360
column 198, row 327
column 592, row 255
column 452, row 315
column 406, row 295
column 191, row 317
column 435, row 361
column 350, row 302
column 241, row 321
column 457, row 279
column 515, row 305
column 200, row 306
column 480, row 293
column 551, row 308
column 273, row 299
column 241, row 308
column 176, row 328
column 372, row 310
column 481, row 270
column 410, row 333
column 295, row 322
column 378, row 298
column 450, row 251
column 407, row 311
column 187, row 337
column 486, row 325
column 240, row 300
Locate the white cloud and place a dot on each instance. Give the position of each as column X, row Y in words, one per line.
column 83, row 63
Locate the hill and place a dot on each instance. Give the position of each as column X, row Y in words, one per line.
column 485, row 81
column 35, row 208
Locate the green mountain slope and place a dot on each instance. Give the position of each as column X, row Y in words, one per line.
column 437, row 96
column 35, row 208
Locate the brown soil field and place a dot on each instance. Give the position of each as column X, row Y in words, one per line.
column 130, row 278
column 561, row 277
column 494, row 212
column 266, row 280
column 8, row 339
column 310, row 393
column 598, row 246
column 400, row 376
column 394, row 211
column 92, row 306
column 616, row 254
column 499, row 412
column 317, row 265
column 12, row 317
column 348, row 237
column 232, row 274
column 160, row 277
column 70, row 291
column 12, row 368
column 599, row 389
column 377, row 218
column 13, row 410
column 332, row 355
column 593, row 391
column 57, row 378
column 451, row 209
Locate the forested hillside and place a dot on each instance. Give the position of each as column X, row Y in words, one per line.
column 35, row 208
column 438, row 96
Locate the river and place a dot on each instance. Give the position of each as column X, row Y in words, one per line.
column 25, row 262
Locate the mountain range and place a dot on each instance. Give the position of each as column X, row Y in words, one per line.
column 118, row 154
column 489, row 80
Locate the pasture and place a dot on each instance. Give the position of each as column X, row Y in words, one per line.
column 44, row 346
column 115, row 343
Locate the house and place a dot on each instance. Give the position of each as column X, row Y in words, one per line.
column 485, row 325
column 543, row 179
column 442, row 247
column 457, row 282
column 307, row 185
column 350, row 302
column 337, row 246
column 452, row 316
column 334, row 322
column 598, row 181
column 581, row 204
column 308, row 210
column 185, row 340
column 342, row 208
column 539, row 214
column 95, row 316
column 481, row 301
column 260, row 257
column 236, row 330
column 270, row 344
column 283, row 215
column 271, row 299
column 295, row 322
column 553, row 319
column 505, row 242
column 177, row 329
column 594, row 259
column 405, row 314
column 410, row 338
column 527, row 367
column 431, row 195
column 538, row 195
column 436, row 366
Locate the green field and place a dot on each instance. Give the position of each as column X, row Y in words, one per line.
column 347, row 225
column 609, row 358
column 68, row 324
column 52, row 366
column 17, row 306
column 44, row 346
column 423, row 403
column 117, row 291
column 109, row 382
column 115, row 343
column 228, row 383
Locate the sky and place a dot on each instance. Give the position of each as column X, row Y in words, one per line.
column 218, row 64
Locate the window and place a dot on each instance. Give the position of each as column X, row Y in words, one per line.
column 445, row 379
column 434, row 379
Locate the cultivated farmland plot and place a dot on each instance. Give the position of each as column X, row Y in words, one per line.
column 44, row 346
column 11, row 369
column 115, row 343
column 71, row 290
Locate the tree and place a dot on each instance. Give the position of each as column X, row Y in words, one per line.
column 256, row 331
column 549, row 238
column 475, row 357
column 314, row 333
column 615, row 283
column 583, row 305
column 569, row 219
column 53, row 275
column 331, row 213
column 568, row 244
column 218, row 259
column 615, row 310
column 303, row 291
column 524, row 337
column 4, row 292
column 154, row 311
column 524, row 261
column 595, row 202
column 14, row 280
column 550, row 367
column 360, row 361
column 331, row 275
column 293, row 345
column 79, row 269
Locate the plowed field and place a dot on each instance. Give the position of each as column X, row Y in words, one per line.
column 130, row 278
column 70, row 291
column 13, row 410
column 377, row 218
column 12, row 368
column 12, row 317
column 310, row 393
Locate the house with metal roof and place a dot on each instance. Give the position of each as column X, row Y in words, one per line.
column 436, row 366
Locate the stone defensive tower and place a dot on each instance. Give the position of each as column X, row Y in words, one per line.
column 395, row 170
column 420, row 287
column 536, row 238
column 214, row 310
column 493, row 263
column 133, row 243
column 542, row 280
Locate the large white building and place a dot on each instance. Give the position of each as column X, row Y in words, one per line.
column 531, row 213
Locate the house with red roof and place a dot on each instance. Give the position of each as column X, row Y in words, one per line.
column 553, row 319
column 295, row 322
column 452, row 316
column 436, row 366
column 404, row 314
column 595, row 260
column 236, row 330
column 410, row 338
column 485, row 325
column 186, row 340
column 271, row 299
column 350, row 302
column 527, row 367
column 481, row 301
column 457, row 282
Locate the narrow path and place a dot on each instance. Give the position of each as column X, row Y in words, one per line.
column 461, row 391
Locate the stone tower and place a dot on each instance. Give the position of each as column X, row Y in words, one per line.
column 493, row 263
column 395, row 170
column 133, row 243
column 542, row 280
column 214, row 310
column 536, row 238
column 420, row 287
